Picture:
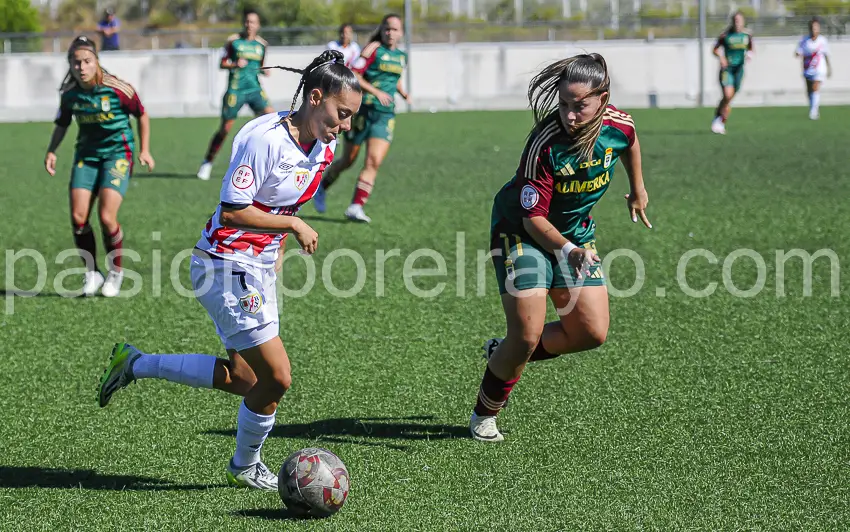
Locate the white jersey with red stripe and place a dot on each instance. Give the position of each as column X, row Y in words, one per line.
column 271, row 171
column 350, row 52
column 813, row 52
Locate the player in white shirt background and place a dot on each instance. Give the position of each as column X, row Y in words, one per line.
column 345, row 44
column 814, row 50
column 276, row 166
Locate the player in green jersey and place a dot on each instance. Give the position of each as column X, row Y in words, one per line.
column 242, row 57
column 737, row 47
column 542, row 235
column 103, row 157
column 379, row 70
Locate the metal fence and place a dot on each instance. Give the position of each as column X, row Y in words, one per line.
column 593, row 25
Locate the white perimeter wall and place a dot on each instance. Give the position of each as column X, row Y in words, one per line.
column 444, row 76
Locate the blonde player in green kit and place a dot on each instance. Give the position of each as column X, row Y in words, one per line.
column 103, row 157
column 379, row 70
column 542, row 235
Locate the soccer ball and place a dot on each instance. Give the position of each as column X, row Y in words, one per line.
column 313, row 482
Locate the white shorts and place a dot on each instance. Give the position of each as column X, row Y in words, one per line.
column 815, row 76
column 240, row 299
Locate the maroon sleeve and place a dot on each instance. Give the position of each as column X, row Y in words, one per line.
column 536, row 179
column 64, row 114
column 622, row 122
column 131, row 104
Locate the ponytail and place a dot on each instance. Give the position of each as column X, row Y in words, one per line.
column 586, row 69
column 326, row 72
column 79, row 43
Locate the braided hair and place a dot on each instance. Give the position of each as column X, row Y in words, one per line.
column 79, row 43
column 327, row 72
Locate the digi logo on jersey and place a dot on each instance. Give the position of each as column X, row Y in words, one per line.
column 243, row 177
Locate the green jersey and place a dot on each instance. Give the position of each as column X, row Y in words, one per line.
column 382, row 68
column 553, row 181
column 735, row 46
column 103, row 116
column 247, row 78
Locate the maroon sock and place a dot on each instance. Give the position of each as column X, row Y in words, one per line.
column 724, row 115
column 361, row 193
column 215, row 145
column 84, row 240
column 493, row 394
column 540, row 353
column 114, row 244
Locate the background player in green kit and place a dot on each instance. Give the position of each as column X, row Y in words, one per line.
column 243, row 57
column 542, row 235
column 737, row 45
column 103, row 158
column 379, row 71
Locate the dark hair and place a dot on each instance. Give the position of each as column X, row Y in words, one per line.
column 812, row 22
column 327, row 72
column 378, row 34
column 345, row 25
column 249, row 11
column 80, row 42
column 587, row 69
column 731, row 28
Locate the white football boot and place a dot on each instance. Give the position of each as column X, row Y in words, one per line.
column 112, row 286
column 205, row 171
column 355, row 213
column 319, row 199
column 718, row 126
column 483, row 428
column 255, row 476
column 814, row 115
column 94, row 280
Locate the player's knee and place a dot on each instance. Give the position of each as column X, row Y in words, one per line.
column 279, row 382
column 594, row 336
column 79, row 218
column 109, row 221
column 373, row 163
column 526, row 341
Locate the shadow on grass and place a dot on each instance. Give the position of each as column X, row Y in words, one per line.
column 360, row 431
column 167, row 175
column 43, row 477
column 269, row 514
column 26, row 293
column 314, row 218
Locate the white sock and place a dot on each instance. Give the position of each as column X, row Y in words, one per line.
column 815, row 103
column 251, row 432
column 192, row 370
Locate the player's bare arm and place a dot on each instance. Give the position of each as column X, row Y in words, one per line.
column 254, row 220
column 145, row 157
column 55, row 141
column 401, row 91
column 548, row 236
column 636, row 199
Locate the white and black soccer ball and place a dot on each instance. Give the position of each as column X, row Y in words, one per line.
column 313, row 482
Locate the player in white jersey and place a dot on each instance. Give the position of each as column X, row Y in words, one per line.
column 814, row 50
column 276, row 166
column 345, row 44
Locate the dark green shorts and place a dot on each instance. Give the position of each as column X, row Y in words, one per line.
column 95, row 174
column 233, row 102
column 525, row 266
column 370, row 124
column 732, row 77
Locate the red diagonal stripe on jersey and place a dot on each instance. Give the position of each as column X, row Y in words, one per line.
column 317, row 179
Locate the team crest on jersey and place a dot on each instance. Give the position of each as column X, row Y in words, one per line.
column 529, row 197
column 609, row 154
column 105, row 106
column 301, row 178
column 243, row 177
column 252, row 303
column 385, row 57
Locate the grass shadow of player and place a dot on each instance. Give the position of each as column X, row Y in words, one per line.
column 271, row 514
column 44, row 477
column 27, row 293
column 314, row 218
column 163, row 175
column 360, row 431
